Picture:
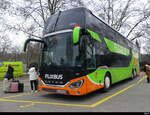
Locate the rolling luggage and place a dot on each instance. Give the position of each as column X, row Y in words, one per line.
column 21, row 87
column 14, row 87
column 6, row 85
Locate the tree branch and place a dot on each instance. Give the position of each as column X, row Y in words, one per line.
column 42, row 12
column 19, row 29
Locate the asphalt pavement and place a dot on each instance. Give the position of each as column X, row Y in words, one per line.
column 126, row 96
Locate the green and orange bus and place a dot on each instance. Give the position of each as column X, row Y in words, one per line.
column 80, row 54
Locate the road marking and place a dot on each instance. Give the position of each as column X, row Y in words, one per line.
column 109, row 97
column 26, row 106
column 19, row 95
column 28, row 93
column 143, row 78
column 42, row 102
column 75, row 105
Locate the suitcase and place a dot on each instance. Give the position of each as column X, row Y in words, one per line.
column 6, row 85
column 14, row 87
column 21, row 87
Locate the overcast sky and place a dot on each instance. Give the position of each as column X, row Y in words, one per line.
column 18, row 38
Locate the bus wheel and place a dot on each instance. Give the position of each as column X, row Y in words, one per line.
column 107, row 83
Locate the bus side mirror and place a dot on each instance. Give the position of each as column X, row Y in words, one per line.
column 34, row 40
column 76, row 34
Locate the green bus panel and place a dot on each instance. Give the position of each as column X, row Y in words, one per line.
column 18, row 68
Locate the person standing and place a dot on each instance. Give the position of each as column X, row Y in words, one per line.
column 7, row 79
column 33, row 78
column 10, row 72
column 147, row 68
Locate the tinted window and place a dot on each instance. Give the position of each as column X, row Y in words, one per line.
column 90, row 53
column 93, row 23
column 70, row 18
column 65, row 20
column 49, row 25
column 61, row 51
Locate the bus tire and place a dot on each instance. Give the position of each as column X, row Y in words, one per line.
column 107, row 82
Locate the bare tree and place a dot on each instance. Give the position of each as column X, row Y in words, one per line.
column 5, row 46
column 4, row 5
column 30, row 19
column 147, row 48
column 35, row 13
column 114, row 12
column 123, row 16
column 145, row 14
column 75, row 3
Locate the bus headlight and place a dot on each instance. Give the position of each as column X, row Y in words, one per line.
column 76, row 84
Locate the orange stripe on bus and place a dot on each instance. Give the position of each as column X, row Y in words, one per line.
column 87, row 87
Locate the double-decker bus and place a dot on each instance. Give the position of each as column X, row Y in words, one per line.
column 80, row 53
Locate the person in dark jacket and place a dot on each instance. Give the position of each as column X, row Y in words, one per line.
column 7, row 79
column 10, row 72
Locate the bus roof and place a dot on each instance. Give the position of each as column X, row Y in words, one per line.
column 85, row 18
column 65, row 20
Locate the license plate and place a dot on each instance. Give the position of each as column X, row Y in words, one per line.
column 61, row 91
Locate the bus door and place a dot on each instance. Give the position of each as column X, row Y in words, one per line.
column 90, row 54
column 91, row 62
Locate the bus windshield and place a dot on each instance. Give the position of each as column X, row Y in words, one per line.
column 61, row 52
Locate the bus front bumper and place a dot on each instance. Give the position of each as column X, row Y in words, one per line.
column 86, row 87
